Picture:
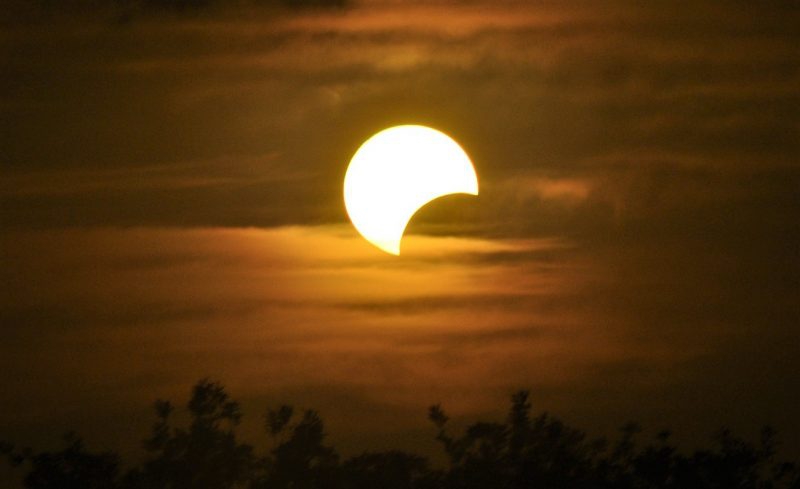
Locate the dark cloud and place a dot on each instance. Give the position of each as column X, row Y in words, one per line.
column 565, row 97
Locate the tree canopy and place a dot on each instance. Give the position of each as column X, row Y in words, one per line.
column 524, row 451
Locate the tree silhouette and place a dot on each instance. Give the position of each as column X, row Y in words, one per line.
column 389, row 470
column 522, row 452
column 69, row 468
column 206, row 455
column 300, row 459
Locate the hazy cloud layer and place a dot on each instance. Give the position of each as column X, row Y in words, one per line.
column 271, row 310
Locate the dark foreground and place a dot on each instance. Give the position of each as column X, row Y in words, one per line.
column 521, row 452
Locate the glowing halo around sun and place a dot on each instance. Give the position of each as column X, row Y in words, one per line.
column 395, row 173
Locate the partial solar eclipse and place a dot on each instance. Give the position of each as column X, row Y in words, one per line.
column 395, row 173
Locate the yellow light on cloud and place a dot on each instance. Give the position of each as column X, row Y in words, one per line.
column 395, row 173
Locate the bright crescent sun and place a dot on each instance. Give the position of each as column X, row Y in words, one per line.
column 395, row 173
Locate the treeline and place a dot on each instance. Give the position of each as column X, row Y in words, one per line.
column 522, row 452
column 125, row 12
column 200, row 4
column 168, row 5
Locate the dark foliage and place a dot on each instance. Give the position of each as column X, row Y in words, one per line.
column 522, row 452
column 71, row 468
column 189, row 5
column 178, row 5
column 206, row 455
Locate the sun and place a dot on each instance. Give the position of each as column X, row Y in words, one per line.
column 395, row 173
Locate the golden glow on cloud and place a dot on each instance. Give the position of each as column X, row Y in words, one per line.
column 395, row 173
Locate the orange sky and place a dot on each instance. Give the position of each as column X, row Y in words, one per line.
column 171, row 209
